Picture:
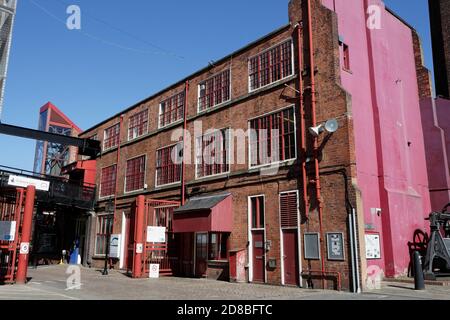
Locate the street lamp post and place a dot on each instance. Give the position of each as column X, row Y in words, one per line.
column 110, row 209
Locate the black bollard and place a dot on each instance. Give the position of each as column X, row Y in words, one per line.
column 419, row 282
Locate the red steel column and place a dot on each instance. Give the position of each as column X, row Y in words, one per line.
column 22, row 266
column 139, row 236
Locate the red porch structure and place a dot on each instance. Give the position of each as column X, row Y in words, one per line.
column 204, row 225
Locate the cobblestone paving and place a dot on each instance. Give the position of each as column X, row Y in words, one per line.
column 49, row 283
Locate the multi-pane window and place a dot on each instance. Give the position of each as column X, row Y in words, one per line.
column 257, row 212
column 108, row 181
column 212, row 153
column 111, row 137
column 214, row 91
column 271, row 65
column 167, row 170
column 272, row 138
column 217, row 246
column 289, row 210
column 135, row 174
column 171, row 110
column 104, row 229
column 138, row 125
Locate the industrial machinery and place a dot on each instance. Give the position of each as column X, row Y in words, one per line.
column 437, row 259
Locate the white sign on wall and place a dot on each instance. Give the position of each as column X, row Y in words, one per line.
column 20, row 181
column 114, row 246
column 154, row 271
column 156, row 234
column 373, row 249
column 7, row 230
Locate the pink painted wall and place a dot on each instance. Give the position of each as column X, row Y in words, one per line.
column 383, row 86
column 436, row 125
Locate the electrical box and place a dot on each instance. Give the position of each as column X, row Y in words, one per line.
column 272, row 263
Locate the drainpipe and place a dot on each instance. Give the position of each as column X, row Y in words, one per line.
column 183, row 166
column 117, row 168
column 302, row 117
column 316, row 143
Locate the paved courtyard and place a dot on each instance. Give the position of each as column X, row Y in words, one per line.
column 49, row 283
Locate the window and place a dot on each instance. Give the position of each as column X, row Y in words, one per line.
column 257, row 212
column 166, row 170
column 104, row 228
column 212, row 153
column 214, row 91
column 111, row 137
column 108, row 181
column 94, row 137
column 271, row 65
column 135, row 174
column 138, row 125
column 272, row 138
column 289, row 210
column 217, row 246
column 346, row 56
column 171, row 110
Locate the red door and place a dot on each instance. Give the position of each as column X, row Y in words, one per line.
column 201, row 254
column 290, row 257
column 258, row 256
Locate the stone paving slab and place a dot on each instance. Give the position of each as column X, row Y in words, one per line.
column 49, row 283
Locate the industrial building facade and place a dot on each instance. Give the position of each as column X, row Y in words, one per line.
column 289, row 207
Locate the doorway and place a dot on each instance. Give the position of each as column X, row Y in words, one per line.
column 201, row 254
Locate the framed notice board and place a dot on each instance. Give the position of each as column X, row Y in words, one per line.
column 335, row 246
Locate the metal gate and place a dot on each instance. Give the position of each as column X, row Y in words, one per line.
column 157, row 213
column 11, row 210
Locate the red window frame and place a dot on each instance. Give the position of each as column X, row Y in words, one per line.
column 217, row 249
column 271, row 65
column 257, row 207
column 216, row 147
column 167, row 172
column 108, row 181
column 111, row 137
column 135, row 174
column 214, row 91
column 289, row 209
column 278, row 125
column 138, row 125
column 171, row 110
column 104, row 228
column 346, row 56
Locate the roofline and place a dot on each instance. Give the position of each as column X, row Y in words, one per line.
column 399, row 18
column 50, row 105
column 251, row 44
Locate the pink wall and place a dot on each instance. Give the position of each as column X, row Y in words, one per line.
column 436, row 125
column 388, row 129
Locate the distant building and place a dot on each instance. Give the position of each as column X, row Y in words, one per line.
column 51, row 157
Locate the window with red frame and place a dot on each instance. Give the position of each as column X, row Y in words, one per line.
column 257, row 212
column 138, row 125
column 171, row 110
column 135, row 174
column 346, row 56
column 212, row 153
column 111, row 137
column 166, row 170
column 271, row 65
column 289, row 210
column 272, row 138
column 108, row 181
column 214, row 91
column 218, row 246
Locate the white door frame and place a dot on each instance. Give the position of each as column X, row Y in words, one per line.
column 250, row 237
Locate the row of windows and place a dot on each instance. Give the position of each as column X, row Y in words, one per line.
column 272, row 140
column 268, row 67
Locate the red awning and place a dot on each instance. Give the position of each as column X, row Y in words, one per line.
column 204, row 214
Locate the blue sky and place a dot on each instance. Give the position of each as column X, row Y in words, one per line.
column 125, row 53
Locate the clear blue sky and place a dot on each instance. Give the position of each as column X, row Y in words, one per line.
column 95, row 73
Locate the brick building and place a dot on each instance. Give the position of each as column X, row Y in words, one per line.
column 335, row 209
column 435, row 111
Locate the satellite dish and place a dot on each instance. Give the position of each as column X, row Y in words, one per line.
column 332, row 125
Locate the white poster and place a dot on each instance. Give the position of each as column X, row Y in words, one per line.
column 373, row 250
column 156, row 234
column 20, row 181
column 114, row 246
column 154, row 271
column 7, row 230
